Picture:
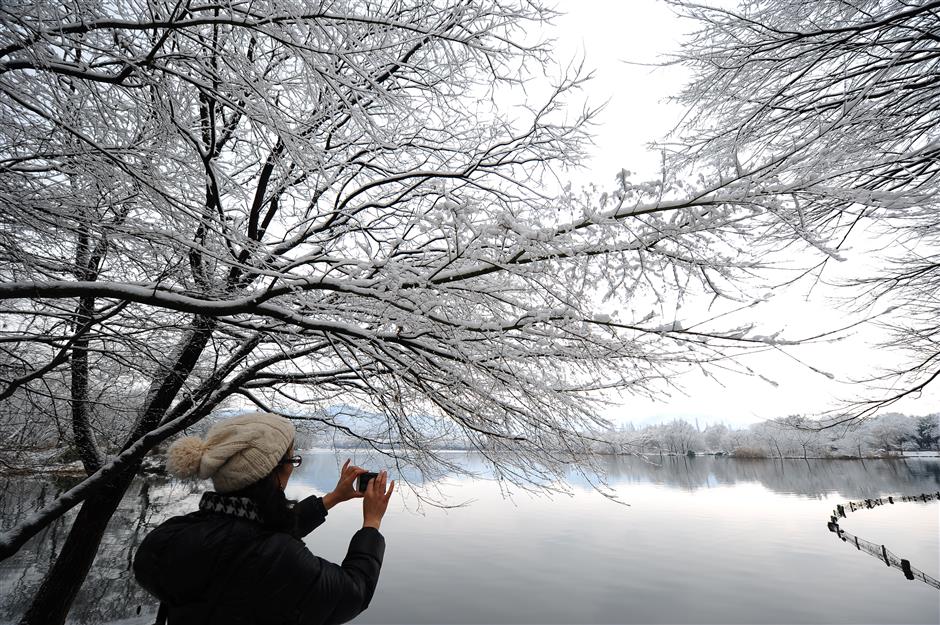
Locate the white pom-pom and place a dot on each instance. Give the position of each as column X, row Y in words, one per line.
column 183, row 456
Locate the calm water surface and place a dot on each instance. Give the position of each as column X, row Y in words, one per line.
column 704, row 540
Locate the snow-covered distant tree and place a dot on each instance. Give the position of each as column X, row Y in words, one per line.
column 736, row 439
column 715, row 437
column 889, row 432
column 852, row 440
column 293, row 205
column 801, row 434
column 825, row 113
column 680, row 436
column 766, row 436
column 927, row 431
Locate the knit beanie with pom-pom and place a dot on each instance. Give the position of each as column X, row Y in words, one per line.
column 235, row 453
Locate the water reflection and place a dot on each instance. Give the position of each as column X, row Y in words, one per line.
column 111, row 594
column 851, row 479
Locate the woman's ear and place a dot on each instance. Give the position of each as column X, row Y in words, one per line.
column 281, row 475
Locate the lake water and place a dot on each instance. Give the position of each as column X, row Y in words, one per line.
column 703, row 540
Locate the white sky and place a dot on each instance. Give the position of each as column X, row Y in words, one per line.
column 612, row 36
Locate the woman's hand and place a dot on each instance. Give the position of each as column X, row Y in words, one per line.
column 376, row 501
column 345, row 487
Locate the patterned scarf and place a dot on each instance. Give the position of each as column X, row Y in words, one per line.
column 235, row 506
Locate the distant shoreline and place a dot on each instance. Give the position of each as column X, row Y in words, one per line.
column 154, row 465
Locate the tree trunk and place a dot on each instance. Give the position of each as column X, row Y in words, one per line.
column 85, row 442
column 52, row 602
column 54, row 598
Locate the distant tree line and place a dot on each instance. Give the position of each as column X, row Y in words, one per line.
column 789, row 437
column 793, row 436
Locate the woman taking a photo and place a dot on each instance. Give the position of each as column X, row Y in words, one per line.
column 240, row 557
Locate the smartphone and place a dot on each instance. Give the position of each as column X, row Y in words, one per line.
column 364, row 481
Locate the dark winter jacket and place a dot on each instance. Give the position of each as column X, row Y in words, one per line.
column 218, row 565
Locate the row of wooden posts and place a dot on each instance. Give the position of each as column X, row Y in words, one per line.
column 880, row 551
column 871, row 503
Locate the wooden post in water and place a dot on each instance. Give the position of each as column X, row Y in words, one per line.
column 906, row 567
column 856, row 544
column 891, row 500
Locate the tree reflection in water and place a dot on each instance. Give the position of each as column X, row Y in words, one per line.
column 109, row 592
column 814, row 478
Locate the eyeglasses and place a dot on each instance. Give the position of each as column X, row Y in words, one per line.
column 294, row 460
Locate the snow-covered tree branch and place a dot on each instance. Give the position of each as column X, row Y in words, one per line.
column 825, row 114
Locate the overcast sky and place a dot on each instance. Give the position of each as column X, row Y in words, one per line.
column 615, row 38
